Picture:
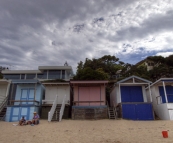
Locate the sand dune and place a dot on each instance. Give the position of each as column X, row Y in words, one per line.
column 94, row 131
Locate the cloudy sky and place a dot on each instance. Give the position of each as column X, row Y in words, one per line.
column 50, row 32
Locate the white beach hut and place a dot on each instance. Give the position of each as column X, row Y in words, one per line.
column 162, row 98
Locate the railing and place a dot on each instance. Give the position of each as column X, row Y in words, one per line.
column 77, row 102
column 21, row 102
column 4, row 103
column 62, row 109
column 52, row 110
column 47, row 101
column 114, row 108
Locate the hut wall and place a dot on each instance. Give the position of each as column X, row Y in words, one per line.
column 61, row 91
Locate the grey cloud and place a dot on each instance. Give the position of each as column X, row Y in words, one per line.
column 50, row 32
column 154, row 24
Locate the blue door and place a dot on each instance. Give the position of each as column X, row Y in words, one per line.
column 128, row 111
column 144, row 111
column 27, row 94
column 169, row 92
column 24, row 95
column 137, row 111
column 131, row 94
column 18, row 112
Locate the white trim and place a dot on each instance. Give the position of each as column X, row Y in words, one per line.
column 7, row 91
column 150, row 93
column 133, row 83
column 160, row 80
column 165, row 92
column 119, row 92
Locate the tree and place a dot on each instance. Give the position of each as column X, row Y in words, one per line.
column 90, row 74
column 169, row 60
column 105, row 66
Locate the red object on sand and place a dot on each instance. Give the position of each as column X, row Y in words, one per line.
column 165, row 134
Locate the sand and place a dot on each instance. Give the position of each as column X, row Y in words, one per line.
column 88, row 131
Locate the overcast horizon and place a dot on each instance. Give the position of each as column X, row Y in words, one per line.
column 49, row 33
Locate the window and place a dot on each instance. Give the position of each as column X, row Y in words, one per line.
column 30, row 76
column 12, row 76
column 63, row 74
column 45, row 74
column 40, row 76
column 54, row 74
column 22, row 76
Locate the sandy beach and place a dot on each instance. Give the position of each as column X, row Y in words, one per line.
column 85, row 131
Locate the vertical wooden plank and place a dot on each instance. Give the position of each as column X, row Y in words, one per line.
column 165, row 92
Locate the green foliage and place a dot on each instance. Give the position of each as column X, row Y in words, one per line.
column 157, row 59
column 105, row 67
column 169, row 60
column 163, row 67
column 90, row 74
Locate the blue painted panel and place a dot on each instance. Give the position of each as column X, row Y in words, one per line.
column 24, row 95
column 128, row 111
column 144, row 112
column 137, row 111
column 162, row 94
column 131, row 94
column 18, row 112
column 15, row 111
column 125, row 94
column 24, row 111
column 30, row 95
column 8, row 113
column 169, row 91
column 136, row 94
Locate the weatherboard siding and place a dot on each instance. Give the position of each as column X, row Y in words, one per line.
column 93, row 93
column 38, row 96
column 61, row 91
column 7, row 117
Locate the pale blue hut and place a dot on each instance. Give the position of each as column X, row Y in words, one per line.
column 25, row 98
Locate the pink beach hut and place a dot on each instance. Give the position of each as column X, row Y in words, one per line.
column 89, row 99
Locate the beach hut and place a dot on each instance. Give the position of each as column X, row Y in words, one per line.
column 4, row 92
column 89, row 99
column 25, row 97
column 54, row 88
column 130, row 99
column 162, row 98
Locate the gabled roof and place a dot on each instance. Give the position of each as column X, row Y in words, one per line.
column 167, row 80
column 135, row 79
